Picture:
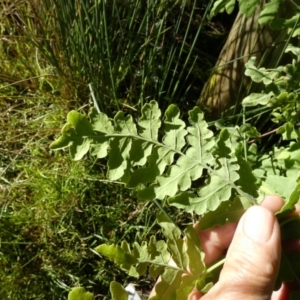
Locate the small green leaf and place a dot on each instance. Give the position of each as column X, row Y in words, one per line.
column 221, row 5
column 195, row 255
column 250, row 131
column 79, row 293
column 174, row 129
column 289, row 205
column 248, row 7
column 76, row 134
column 117, row 291
column 149, row 122
column 247, row 179
column 257, row 75
column 118, row 255
column 118, row 164
column 255, row 99
column 100, row 122
column 269, row 12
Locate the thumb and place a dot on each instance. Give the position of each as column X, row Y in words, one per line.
column 252, row 260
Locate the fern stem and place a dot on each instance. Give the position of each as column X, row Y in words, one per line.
column 216, row 265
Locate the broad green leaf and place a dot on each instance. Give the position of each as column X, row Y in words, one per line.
column 189, row 167
column 166, row 288
column 289, row 205
column 290, row 159
column 149, row 124
column 221, row 149
column 161, row 156
column 146, row 254
column 139, row 152
column 100, row 146
column 66, row 139
column 179, row 178
column 80, row 123
column 79, row 293
column 176, row 244
column 186, row 286
column 136, row 261
column 275, row 184
column 220, row 185
column 211, row 195
column 227, row 212
column 207, row 287
column 195, row 255
column 138, row 156
column 117, row 291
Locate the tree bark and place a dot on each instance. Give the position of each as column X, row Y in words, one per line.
column 227, row 84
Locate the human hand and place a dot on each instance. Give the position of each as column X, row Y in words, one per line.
column 253, row 250
column 253, row 255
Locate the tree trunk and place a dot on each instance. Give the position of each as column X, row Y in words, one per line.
column 228, row 85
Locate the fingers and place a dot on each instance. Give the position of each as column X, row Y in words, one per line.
column 252, row 260
column 272, row 203
column 216, row 241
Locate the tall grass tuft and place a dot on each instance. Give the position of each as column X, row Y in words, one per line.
column 129, row 52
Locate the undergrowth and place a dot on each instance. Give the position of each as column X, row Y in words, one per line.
column 55, row 211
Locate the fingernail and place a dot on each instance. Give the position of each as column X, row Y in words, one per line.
column 258, row 224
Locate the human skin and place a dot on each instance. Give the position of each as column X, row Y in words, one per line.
column 253, row 249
